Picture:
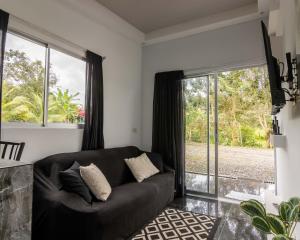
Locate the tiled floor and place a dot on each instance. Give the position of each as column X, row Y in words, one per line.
column 234, row 224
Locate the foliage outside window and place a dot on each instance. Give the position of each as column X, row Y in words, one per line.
column 24, row 83
column 244, row 104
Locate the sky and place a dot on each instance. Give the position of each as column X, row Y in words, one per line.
column 69, row 71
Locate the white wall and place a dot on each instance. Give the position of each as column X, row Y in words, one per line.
column 204, row 24
column 91, row 26
column 236, row 45
column 288, row 158
column 42, row 142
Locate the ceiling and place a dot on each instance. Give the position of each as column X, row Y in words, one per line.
column 150, row 15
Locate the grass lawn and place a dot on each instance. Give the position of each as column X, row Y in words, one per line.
column 240, row 162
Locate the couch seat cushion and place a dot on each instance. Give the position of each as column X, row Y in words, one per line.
column 124, row 200
column 161, row 181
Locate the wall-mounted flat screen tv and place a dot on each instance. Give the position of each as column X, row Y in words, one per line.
column 277, row 93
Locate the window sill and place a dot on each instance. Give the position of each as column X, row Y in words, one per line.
column 37, row 126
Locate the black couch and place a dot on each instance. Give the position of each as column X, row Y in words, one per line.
column 58, row 214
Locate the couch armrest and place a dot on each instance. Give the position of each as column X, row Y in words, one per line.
column 169, row 169
column 57, row 214
column 156, row 159
column 47, row 196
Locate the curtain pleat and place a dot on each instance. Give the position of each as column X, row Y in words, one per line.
column 4, row 16
column 93, row 128
column 168, row 123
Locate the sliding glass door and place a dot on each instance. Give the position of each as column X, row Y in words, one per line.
column 201, row 156
column 238, row 102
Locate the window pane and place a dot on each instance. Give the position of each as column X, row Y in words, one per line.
column 66, row 88
column 24, row 69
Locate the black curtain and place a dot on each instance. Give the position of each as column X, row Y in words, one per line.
column 168, row 123
column 3, row 30
column 93, row 127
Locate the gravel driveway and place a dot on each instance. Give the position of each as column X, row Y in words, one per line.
column 239, row 162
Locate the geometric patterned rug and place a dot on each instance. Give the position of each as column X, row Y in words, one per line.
column 175, row 224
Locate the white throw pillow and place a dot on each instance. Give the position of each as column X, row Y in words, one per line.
column 96, row 181
column 141, row 167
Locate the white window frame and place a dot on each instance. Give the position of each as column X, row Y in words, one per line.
column 44, row 123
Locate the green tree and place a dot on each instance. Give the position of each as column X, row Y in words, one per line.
column 28, row 75
column 195, row 112
column 62, row 107
column 23, row 90
column 244, row 105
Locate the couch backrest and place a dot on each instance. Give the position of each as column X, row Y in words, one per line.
column 110, row 161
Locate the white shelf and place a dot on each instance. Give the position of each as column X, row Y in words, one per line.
column 278, row 141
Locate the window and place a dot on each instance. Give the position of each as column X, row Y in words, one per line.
column 41, row 85
column 23, row 81
column 66, row 89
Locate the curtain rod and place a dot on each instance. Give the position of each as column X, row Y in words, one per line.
column 48, row 34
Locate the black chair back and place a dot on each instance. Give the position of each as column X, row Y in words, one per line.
column 11, row 150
